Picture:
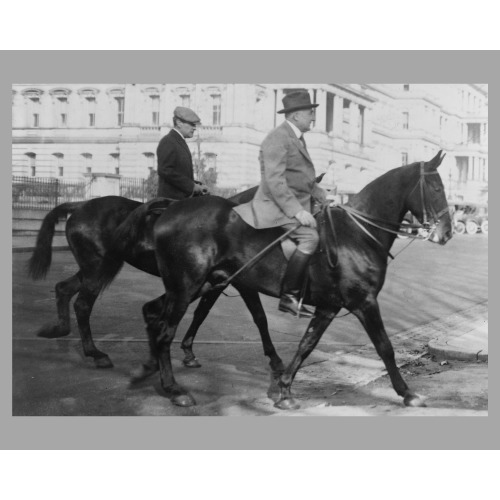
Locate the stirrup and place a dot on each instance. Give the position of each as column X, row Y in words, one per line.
column 290, row 304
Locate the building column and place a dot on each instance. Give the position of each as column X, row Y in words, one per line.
column 353, row 122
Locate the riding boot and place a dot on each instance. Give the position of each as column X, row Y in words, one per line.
column 292, row 282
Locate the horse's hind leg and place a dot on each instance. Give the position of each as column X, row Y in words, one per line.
column 65, row 290
column 83, row 309
column 201, row 312
column 151, row 312
column 369, row 315
column 252, row 301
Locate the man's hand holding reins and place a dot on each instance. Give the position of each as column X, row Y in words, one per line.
column 306, row 219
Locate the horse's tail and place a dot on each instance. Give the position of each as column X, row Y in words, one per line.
column 41, row 259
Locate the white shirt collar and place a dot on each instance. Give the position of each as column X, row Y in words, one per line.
column 184, row 139
column 297, row 132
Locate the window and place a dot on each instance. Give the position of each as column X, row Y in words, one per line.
column 58, row 164
column 186, row 100
column 115, row 163
column 216, row 109
column 148, row 161
column 35, row 111
column 155, row 110
column 62, row 104
column 120, row 107
column 346, row 117
column 87, row 163
column 406, row 120
column 329, row 112
column 474, row 133
column 406, row 87
column 32, row 163
column 91, row 110
column 404, row 158
column 361, row 125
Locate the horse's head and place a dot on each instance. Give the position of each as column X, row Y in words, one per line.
column 427, row 201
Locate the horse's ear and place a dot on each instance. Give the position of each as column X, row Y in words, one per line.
column 437, row 160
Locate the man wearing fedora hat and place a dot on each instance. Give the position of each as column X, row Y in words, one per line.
column 175, row 164
column 287, row 191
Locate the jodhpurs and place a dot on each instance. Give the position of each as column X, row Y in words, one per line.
column 306, row 238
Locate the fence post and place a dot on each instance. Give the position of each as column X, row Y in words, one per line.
column 57, row 193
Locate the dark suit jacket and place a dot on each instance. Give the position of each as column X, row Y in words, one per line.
column 288, row 182
column 175, row 167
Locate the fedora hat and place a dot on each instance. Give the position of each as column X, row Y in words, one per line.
column 294, row 101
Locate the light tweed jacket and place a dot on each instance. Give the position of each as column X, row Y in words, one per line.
column 288, row 182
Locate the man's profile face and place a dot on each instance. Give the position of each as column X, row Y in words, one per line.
column 186, row 129
column 304, row 118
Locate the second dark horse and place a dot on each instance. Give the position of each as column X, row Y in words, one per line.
column 90, row 231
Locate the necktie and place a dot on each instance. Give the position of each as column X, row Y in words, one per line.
column 303, row 141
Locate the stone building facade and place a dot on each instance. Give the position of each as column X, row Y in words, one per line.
column 361, row 131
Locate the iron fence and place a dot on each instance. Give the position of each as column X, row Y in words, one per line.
column 44, row 193
column 139, row 189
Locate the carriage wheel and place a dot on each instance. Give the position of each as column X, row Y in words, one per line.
column 460, row 227
column 471, row 227
column 484, row 227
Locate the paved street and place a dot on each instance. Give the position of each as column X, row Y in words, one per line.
column 428, row 289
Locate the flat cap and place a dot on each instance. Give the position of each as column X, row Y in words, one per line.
column 186, row 115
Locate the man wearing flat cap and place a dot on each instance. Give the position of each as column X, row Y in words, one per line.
column 175, row 164
column 287, row 192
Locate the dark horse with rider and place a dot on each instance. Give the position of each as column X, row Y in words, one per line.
column 202, row 244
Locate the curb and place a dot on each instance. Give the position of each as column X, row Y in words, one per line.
column 443, row 351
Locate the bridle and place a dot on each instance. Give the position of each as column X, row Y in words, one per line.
column 426, row 229
column 435, row 216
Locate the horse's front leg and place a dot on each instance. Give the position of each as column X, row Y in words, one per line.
column 319, row 323
column 369, row 315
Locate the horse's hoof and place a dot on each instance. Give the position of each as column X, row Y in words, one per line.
column 191, row 363
column 103, row 362
column 142, row 373
column 287, row 404
column 183, row 400
column 53, row 332
column 415, row 400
